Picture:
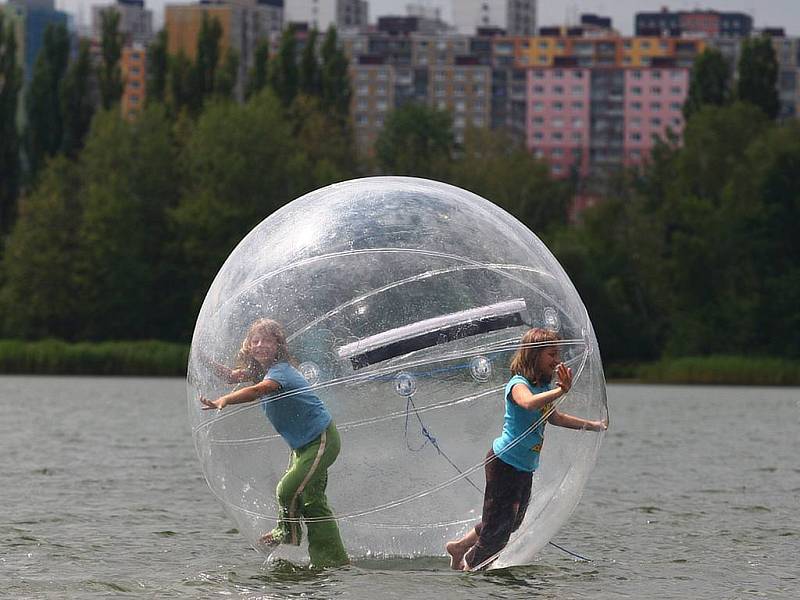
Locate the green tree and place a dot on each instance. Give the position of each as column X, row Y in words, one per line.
column 416, row 140
column 10, row 84
column 181, row 83
column 227, row 77
column 39, row 297
column 709, row 84
column 283, row 76
column 309, row 77
column 335, row 77
column 241, row 163
column 131, row 181
column 766, row 193
column 758, row 75
column 325, row 141
column 612, row 256
column 495, row 166
column 43, row 102
column 157, row 68
column 109, row 73
column 76, row 102
column 258, row 77
column 208, row 58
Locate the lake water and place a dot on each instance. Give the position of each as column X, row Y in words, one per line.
column 696, row 494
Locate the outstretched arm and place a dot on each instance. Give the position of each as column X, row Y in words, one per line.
column 225, row 373
column 572, row 422
column 246, row 394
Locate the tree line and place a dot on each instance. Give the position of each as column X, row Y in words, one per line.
column 118, row 233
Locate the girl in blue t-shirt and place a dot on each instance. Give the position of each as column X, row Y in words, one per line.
column 302, row 420
column 514, row 456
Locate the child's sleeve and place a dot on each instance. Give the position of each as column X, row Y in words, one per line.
column 277, row 373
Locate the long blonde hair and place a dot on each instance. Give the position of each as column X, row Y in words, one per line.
column 526, row 358
column 267, row 327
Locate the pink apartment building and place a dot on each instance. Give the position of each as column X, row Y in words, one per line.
column 557, row 129
column 654, row 100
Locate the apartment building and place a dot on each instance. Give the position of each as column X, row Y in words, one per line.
column 135, row 23
column 322, row 14
column 515, row 17
column 244, row 23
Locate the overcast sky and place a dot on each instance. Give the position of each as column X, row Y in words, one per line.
column 781, row 13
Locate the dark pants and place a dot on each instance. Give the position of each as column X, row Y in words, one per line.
column 505, row 500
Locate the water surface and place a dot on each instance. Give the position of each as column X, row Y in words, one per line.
column 696, row 493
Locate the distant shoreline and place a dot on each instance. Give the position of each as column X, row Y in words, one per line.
column 153, row 358
column 55, row 357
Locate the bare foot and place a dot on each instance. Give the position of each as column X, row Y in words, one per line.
column 456, row 552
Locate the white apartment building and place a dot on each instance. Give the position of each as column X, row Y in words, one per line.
column 516, row 17
column 321, row 14
column 135, row 23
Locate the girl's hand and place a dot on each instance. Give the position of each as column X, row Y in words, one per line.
column 599, row 425
column 564, row 374
column 218, row 404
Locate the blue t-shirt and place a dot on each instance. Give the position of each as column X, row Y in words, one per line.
column 524, row 454
column 301, row 417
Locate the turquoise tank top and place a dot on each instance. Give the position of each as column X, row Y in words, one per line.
column 520, row 443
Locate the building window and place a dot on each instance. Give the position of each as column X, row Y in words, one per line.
column 558, row 89
column 655, row 106
column 655, row 89
column 636, row 136
column 538, row 89
column 636, row 90
column 538, row 74
column 636, row 106
column 558, row 106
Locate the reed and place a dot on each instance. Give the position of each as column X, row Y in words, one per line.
column 56, row 357
column 722, row 370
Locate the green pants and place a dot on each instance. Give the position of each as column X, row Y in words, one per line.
column 301, row 494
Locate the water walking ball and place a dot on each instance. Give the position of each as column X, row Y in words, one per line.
column 403, row 301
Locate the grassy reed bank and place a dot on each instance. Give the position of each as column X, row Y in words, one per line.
column 55, row 357
column 723, row 370
column 153, row 358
